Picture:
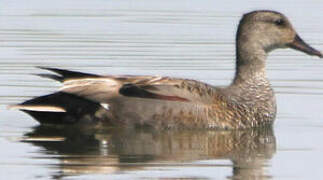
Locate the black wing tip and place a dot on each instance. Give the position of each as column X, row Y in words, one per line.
column 41, row 67
column 56, row 70
column 47, row 68
column 66, row 74
column 50, row 76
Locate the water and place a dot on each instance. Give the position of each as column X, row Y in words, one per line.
column 191, row 39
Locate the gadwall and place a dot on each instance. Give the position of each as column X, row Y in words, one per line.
column 165, row 102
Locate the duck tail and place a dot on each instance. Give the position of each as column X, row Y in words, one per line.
column 60, row 108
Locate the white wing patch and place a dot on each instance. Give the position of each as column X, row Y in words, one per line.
column 105, row 106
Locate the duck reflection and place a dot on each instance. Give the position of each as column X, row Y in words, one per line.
column 84, row 150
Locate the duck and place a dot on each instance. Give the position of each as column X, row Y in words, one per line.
column 169, row 102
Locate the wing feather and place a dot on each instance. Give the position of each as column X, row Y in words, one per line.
column 104, row 88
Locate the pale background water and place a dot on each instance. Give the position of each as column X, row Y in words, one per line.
column 183, row 38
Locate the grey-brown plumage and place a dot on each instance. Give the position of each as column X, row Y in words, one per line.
column 164, row 102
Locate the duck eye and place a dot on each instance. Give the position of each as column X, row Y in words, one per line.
column 279, row 22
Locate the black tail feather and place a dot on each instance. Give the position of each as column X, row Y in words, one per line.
column 78, row 109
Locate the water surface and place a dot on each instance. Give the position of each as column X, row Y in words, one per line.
column 191, row 39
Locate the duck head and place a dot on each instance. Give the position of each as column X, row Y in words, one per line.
column 264, row 31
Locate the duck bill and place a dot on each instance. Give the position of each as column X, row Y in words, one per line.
column 300, row 45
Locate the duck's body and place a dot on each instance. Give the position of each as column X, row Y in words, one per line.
column 164, row 102
column 160, row 102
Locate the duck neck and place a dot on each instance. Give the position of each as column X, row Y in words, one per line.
column 250, row 63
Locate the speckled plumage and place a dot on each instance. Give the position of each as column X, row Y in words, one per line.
column 164, row 102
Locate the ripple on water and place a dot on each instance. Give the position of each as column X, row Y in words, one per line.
column 186, row 39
